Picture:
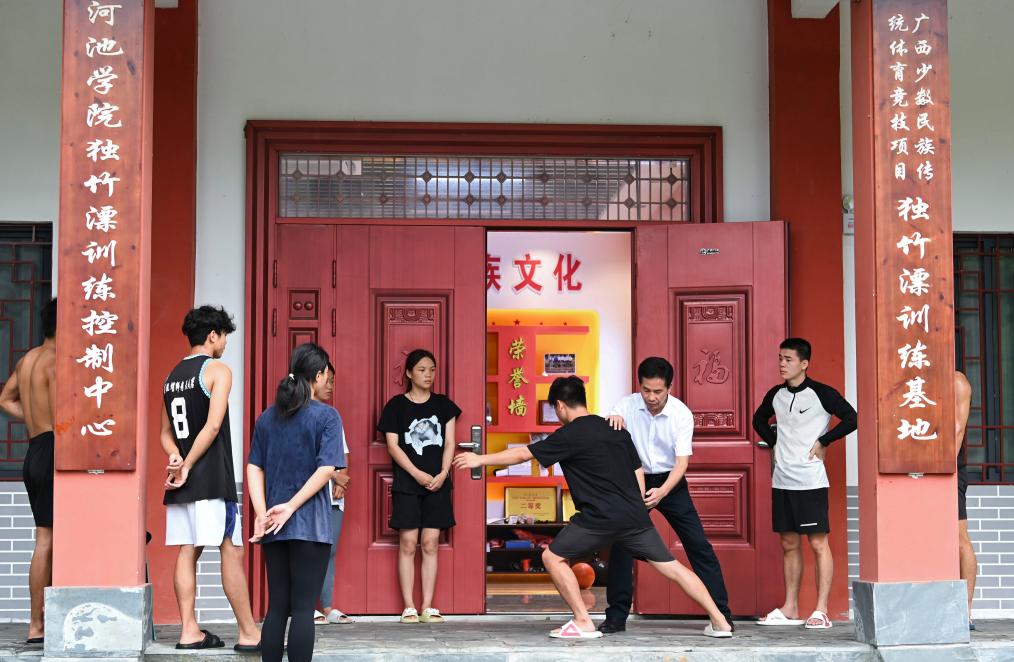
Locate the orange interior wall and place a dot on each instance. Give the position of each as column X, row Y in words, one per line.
column 805, row 134
column 174, row 244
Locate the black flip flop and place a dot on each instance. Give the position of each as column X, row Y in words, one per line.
column 35, row 640
column 247, row 648
column 210, row 641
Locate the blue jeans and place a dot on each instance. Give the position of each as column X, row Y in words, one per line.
column 327, row 590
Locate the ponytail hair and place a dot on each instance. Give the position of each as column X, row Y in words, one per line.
column 295, row 389
column 413, row 359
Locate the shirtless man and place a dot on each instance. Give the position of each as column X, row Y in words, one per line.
column 28, row 396
column 966, row 553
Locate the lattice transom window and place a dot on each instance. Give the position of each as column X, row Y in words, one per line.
column 984, row 325
column 482, row 187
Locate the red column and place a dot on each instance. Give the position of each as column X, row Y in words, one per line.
column 173, row 228
column 904, row 300
column 104, row 180
column 895, row 508
column 806, row 192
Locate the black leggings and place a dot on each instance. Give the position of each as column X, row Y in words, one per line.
column 295, row 573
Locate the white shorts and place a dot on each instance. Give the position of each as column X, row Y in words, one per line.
column 202, row 523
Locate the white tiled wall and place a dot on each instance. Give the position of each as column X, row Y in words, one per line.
column 852, row 527
column 991, row 528
column 17, row 540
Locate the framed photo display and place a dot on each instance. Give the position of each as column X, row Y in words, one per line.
column 559, row 364
column 546, row 414
column 538, row 502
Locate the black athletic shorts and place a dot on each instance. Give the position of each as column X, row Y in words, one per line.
column 962, row 488
column 37, row 473
column 575, row 541
column 433, row 510
column 801, row 511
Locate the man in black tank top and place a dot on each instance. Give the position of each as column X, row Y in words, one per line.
column 187, row 404
column 200, row 498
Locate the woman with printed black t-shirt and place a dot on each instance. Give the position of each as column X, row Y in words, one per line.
column 419, row 427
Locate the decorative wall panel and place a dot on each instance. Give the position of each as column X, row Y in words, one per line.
column 711, row 349
column 382, row 534
column 406, row 323
column 304, row 305
column 721, row 501
column 299, row 336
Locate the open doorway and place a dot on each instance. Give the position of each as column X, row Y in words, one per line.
column 557, row 303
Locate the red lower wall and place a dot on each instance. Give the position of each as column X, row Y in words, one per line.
column 173, row 244
column 803, row 60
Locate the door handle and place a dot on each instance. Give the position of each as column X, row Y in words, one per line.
column 474, row 445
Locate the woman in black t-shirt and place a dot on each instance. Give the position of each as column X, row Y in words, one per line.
column 419, row 427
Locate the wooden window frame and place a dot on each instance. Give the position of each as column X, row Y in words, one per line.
column 988, row 388
column 266, row 140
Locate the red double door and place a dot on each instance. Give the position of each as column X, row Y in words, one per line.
column 711, row 297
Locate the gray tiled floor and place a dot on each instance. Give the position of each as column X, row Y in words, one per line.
column 510, row 639
column 525, row 639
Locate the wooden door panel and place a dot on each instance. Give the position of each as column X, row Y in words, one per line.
column 303, row 295
column 712, row 299
column 410, row 257
column 468, row 390
column 353, row 400
column 403, row 322
column 722, row 501
column 398, row 288
column 710, row 255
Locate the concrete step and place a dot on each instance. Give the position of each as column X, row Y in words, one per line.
column 523, row 639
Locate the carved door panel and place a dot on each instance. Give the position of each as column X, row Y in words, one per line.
column 304, row 294
column 399, row 288
column 711, row 297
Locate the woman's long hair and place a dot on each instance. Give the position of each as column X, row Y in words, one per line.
column 295, row 389
column 413, row 359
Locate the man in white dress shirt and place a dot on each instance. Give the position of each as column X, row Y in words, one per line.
column 662, row 428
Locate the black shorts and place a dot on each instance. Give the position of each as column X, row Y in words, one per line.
column 962, row 488
column 575, row 541
column 37, row 473
column 432, row 510
column 799, row 511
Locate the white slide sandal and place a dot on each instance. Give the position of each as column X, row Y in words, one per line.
column 710, row 631
column 572, row 631
column 825, row 622
column 776, row 617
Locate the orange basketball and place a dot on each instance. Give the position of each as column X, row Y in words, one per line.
column 585, row 574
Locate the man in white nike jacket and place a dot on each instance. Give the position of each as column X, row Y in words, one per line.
column 802, row 409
